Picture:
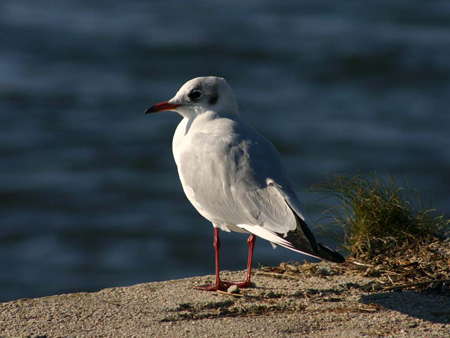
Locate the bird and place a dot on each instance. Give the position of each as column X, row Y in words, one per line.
column 234, row 176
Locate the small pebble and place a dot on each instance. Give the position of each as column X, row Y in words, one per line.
column 325, row 270
column 233, row 289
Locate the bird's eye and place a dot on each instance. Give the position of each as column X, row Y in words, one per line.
column 195, row 94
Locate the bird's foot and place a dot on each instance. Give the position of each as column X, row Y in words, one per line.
column 224, row 285
column 242, row 285
column 211, row 287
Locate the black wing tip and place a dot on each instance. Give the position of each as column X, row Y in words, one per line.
column 330, row 255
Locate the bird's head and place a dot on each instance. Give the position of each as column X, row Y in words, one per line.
column 198, row 96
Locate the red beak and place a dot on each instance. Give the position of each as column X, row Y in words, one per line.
column 161, row 107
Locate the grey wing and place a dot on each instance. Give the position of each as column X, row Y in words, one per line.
column 277, row 206
column 241, row 181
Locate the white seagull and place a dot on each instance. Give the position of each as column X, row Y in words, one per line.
column 233, row 175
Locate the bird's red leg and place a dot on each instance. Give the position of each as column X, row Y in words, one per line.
column 224, row 285
column 251, row 245
column 219, row 285
column 216, row 244
column 246, row 283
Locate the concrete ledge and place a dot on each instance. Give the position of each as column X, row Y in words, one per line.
column 319, row 306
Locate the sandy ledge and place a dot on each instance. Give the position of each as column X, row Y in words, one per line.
column 318, row 306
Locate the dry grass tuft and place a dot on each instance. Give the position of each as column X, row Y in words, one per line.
column 387, row 229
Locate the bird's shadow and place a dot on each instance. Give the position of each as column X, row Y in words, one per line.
column 434, row 308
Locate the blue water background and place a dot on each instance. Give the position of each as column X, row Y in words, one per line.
column 89, row 193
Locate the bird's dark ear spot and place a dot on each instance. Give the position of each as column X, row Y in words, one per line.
column 213, row 99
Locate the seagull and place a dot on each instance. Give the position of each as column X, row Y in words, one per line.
column 234, row 176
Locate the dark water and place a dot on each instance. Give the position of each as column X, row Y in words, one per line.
column 89, row 194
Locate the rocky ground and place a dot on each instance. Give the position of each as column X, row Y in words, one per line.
column 334, row 302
